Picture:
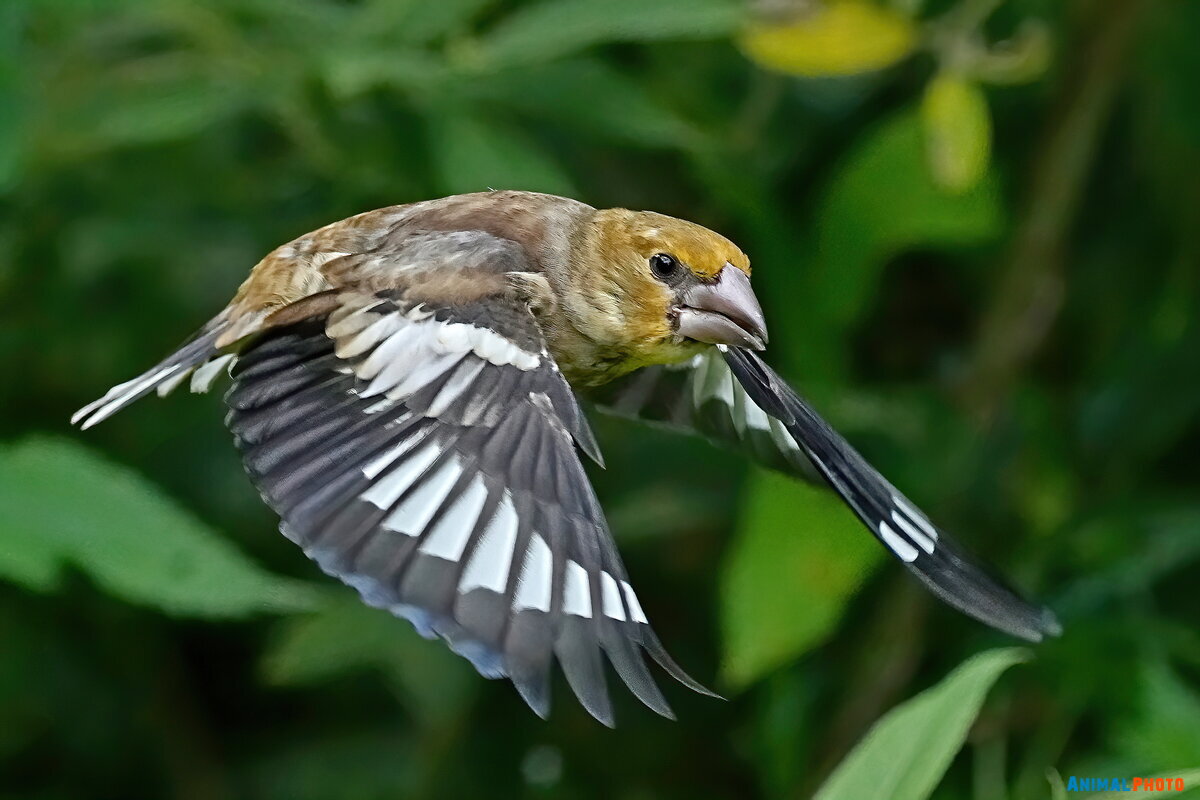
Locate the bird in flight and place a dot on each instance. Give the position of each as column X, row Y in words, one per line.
column 406, row 395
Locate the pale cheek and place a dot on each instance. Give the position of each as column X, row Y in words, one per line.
column 597, row 312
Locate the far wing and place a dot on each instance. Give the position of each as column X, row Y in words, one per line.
column 941, row 563
column 701, row 396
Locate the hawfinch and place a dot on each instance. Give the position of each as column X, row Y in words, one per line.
column 406, row 395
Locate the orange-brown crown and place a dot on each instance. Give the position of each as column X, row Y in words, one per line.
column 702, row 251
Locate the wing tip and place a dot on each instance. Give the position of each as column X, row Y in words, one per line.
column 167, row 373
column 535, row 694
column 952, row 576
column 659, row 653
column 603, row 715
column 1047, row 625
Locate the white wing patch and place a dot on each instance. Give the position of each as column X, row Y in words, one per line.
column 577, row 592
column 912, row 530
column 916, row 516
column 534, row 587
column 462, row 380
column 411, row 517
column 610, row 597
column 405, row 351
column 206, row 374
column 755, row 416
column 449, row 537
column 489, row 564
column 897, row 543
column 387, row 490
column 712, row 379
column 172, row 383
column 400, row 353
column 365, row 339
column 635, row 607
column 923, row 541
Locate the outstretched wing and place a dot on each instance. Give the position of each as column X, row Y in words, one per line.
column 937, row 560
column 701, row 396
column 425, row 454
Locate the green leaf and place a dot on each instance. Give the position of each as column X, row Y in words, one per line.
column 1161, row 541
column 905, row 754
column 592, row 97
column 881, row 203
column 1058, row 789
column 884, row 202
column 12, row 144
column 473, row 154
column 142, row 111
column 352, row 71
column 424, row 21
column 556, row 28
column 1164, row 732
column 347, row 636
column 343, row 636
column 62, row 505
column 798, row 556
column 13, row 94
column 379, row 45
column 958, row 132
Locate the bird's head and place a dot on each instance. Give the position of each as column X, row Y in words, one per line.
column 659, row 287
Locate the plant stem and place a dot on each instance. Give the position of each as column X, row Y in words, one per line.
column 1032, row 286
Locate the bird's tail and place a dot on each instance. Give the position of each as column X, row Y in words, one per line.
column 200, row 357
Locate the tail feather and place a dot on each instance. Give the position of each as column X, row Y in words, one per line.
column 164, row 376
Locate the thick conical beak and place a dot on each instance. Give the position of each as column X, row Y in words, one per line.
column 723, row 312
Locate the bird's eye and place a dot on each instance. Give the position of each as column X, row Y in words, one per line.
column 663, row 265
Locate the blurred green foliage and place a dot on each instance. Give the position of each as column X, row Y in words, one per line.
column 905, row 754
column 976, row 232
column 65, row 508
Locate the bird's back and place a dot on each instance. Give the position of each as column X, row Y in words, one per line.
column 316, row 261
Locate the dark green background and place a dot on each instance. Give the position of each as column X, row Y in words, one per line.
column 1021, row 359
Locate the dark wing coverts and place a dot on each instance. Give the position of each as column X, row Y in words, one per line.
column 425, row 456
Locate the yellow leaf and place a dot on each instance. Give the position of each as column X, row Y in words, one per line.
column 958, row 132
column 843, row 38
